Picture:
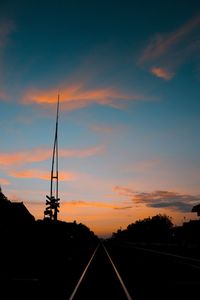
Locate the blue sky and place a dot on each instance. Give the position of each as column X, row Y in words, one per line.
column 128, row 75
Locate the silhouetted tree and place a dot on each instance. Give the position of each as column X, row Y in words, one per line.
column 154, row 229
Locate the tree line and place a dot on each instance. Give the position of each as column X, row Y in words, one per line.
column 160, row 229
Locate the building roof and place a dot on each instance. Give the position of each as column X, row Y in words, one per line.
column 14, row 213
column 196, row 209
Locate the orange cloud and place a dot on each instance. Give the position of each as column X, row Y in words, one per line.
column 41, row 154
column 162, row 44
column 4, row 181
column 40, row 174
column 78, row 96
column 81, row 203
column 22, row 157
column 123, row 191
column 162, row 73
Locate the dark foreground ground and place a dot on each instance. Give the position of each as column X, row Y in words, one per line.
column 152, row 275
column 42, row 264
column 43, row 261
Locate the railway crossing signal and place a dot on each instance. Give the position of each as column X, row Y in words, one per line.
column 52, row 201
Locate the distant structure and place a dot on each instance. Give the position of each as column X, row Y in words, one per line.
column 196, row 209
column 13, row 213
column 52, row 201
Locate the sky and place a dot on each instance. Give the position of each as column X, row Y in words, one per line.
column 128, row 76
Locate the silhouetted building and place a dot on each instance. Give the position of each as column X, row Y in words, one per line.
column 196, row 209
column 13, row 213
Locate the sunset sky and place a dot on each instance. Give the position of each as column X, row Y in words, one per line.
column 128, row 75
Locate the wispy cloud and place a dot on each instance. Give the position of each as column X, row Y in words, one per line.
column 23, row 157
column 167, row 199
column 167, row 51
column 85, row 203
column 123, row 207
column 4, row 181
column 40, row 174
column 161, row 44
column 98, row 204
column 78, row 96
column 161, row 199
column 162, row 73
column 41, row 154
column 123, row 191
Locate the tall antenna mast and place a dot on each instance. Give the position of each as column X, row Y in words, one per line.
column 52, row 201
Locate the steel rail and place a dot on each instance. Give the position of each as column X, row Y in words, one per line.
column 118, row 275
column 83, row 274
column 114, row 267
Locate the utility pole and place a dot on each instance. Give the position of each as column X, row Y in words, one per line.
column 52, row 201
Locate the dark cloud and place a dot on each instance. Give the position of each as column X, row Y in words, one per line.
column 161, row 199
column 166, row 199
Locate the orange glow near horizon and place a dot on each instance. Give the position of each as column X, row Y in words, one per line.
column 107, row 218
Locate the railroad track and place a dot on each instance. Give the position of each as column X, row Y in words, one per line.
column 113, row 271
column 146, row 273
column 100, row 279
